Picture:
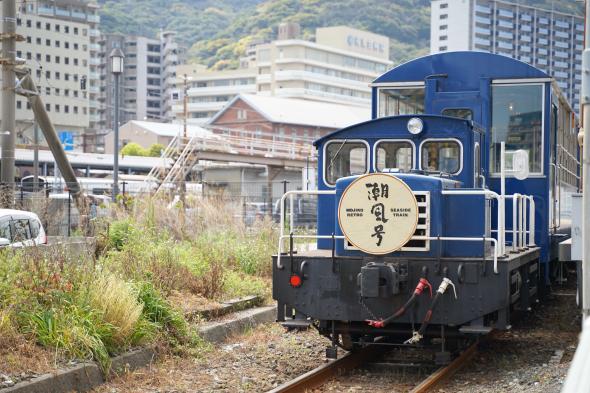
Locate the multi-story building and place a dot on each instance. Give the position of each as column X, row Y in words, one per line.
column 145, row 87
column 171, row 54
column 60, row 49
column 140, row 85
column 209, row 91
column 550, row 40
column 337, row 68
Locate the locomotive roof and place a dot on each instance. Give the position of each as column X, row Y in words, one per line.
column 467, row 123
column 466, row 67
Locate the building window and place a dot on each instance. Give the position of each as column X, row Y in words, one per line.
column 443, row 16
column 29, row 55
column 57, row 75
column 19, row 104
column 75, row 30
column 48, row 91
column 48, row 42
column 47, row 26
column 57, row 28
column 29, row 39
column 242, row 114
column 19, row 22
column 38, row 24
column 75, row 46
column 29, row 23
column 67, row 92
column 75, row 61
column 47, row 74
column 443, row 38
column 442, row 49
column 48, row 58
column 444, row 5
column 66, row 60
column 57, row 44
column 48, row 107
column 57, row 108
column 66, row 108
column 66, row 45
column 38, row 40
column 38, row 56
column 67, row 76
column 66, row 29
column 443, row 27
column 76, row 110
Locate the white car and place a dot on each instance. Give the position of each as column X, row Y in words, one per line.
column 19, row 228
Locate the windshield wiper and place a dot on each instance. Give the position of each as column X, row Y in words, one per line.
column 335, row 156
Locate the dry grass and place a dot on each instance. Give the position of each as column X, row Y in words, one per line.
column 117, row 301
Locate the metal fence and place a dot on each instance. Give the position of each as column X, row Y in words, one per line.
column 251, row 201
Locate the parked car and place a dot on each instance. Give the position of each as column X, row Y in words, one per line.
column 19, row 228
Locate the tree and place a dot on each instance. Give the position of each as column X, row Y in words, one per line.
column 133, row 149
column 155, row 150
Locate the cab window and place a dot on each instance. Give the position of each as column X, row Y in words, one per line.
column 394, row 155
column 441, row 156
column 461, row 113
column 344, row 158
column 401, row 101
column 517, row 119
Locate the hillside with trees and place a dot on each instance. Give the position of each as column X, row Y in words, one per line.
column 218, row 32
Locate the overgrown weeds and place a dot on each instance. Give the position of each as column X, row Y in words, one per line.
column 93, row 308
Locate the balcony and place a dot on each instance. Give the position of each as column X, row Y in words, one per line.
column 321, row 78
column 506, row 35
column 482, row 42
column 505, row 24
column 482, row 20
column 221, row 90
column 563, row 45
column 93, row 18
column 94, row 75
column 505, row 13
column 94, row 61
column 94, row 47
column 483, row 10
column 325, row 96
column 94, row 33
column 562, row 24
column 201, row 106
column 43, row 10
column 505, row 45
column 561, row 34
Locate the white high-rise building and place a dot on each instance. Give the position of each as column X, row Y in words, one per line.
column 549, row 40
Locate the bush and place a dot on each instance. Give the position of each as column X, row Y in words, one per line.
column 119, row 233
column 133, row 149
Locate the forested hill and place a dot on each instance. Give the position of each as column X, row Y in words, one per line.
column 218, row 31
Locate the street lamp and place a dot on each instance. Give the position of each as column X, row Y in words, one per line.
column 117, row 64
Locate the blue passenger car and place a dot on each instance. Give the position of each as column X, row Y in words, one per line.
column 439, row 127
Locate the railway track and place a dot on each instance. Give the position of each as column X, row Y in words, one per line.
column 353, row 360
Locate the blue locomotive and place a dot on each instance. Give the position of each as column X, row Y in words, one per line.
column 440, row 217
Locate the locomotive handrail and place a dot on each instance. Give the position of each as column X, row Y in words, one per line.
column 290, row 194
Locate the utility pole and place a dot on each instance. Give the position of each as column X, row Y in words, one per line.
column 9, row 38
column 184, row 141
column 585, row 105
column 36, row 157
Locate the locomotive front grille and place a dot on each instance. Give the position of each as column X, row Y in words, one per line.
column 419, row 241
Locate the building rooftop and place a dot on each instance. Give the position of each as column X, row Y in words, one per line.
column 170, row 129
column 302, row 112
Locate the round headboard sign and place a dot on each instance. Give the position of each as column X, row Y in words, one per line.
column 378, row 213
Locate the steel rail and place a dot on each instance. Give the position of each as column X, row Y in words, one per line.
column 318, row 376
column 447, row 371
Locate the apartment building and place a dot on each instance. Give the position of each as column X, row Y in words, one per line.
column 547, row 39
column 146, row 85
column 209, row 91
column 60, row 49
column 338, row 68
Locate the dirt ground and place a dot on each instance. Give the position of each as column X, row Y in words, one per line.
column 255, row 362
column 532, row 357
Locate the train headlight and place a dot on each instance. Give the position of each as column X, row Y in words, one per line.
column 415, row 125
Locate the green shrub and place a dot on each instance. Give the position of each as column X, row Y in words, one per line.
column 118, row 234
